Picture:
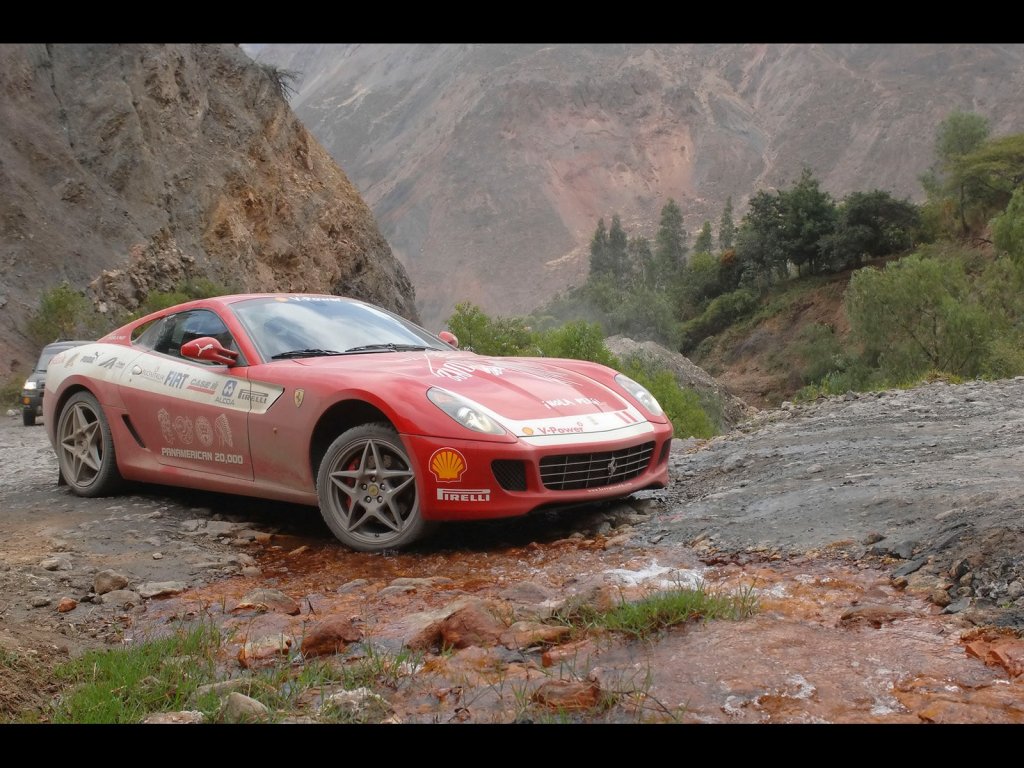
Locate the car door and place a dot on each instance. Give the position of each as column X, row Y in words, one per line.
column 191, row 414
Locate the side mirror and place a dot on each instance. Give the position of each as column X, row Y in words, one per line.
column 208, row 348
column 449, row 338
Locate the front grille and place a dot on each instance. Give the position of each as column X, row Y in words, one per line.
column 510, row 474
column 575, row 471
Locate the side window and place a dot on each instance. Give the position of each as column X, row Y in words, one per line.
column 167, row 335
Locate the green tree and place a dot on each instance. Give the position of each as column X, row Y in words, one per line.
column 759, row 242
column 618, row 248
column 917, row 315
column 641, row 259
column 1008, row 228
column 958, row 135
column 704, row 242
column 726, row 228
column 869, row 225
column 600, row 259
column 987, row 178
column 809, row 217
column 669, row 245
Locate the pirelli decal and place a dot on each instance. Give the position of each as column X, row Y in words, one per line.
column 191, row 383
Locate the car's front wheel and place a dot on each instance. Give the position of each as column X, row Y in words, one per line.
column 85, row 448
column 366, row 487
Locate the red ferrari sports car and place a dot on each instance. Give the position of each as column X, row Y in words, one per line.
column 339, row 404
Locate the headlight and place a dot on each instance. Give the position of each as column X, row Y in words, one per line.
column 464, row 411
column 647, row 400
column 30, row 385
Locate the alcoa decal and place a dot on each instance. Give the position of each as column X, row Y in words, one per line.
column 447, row 465
column 199, row 385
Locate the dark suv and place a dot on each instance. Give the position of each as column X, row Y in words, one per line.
column 32, row 389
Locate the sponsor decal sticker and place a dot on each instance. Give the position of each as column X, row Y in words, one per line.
column 527, row 430
column 109, row 363
column 205, row 386
column 214, row 456
column 299, row 394
column 464, row 494
column 448, row 465
column 71, row 360
column 204, row 431
column 175, row 379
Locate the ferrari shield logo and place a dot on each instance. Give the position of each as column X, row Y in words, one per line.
column 299, row 394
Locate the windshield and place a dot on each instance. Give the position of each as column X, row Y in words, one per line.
column 308, row 326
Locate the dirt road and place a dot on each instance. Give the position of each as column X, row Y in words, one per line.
column 899, row 511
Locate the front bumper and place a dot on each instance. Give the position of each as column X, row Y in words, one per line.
column 32, row 402
column 475, row 480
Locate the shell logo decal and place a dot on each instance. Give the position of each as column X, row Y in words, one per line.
column 447, row 464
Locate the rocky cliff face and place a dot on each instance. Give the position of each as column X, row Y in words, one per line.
column 128, row 168
column 489, row 165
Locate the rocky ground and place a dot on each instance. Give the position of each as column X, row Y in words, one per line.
column 921, row 487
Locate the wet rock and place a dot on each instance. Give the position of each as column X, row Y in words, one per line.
column 299, row 551
column 997, row 648
column 422, row 630
column 529, row 634
column 940, row 596
column 263, row 600
column 239, row 708
column 351, row 586
column 66, row 604
column 330, row 636
column 910, row 567
column 567, row 695
column 360, row 704
column 872, row 614
column 246, row 685
column 526, row 592
column 472, row 625
column 57, row 563
column 958, row 606
column 160, row 588
column 39, row 601
column 263, row 648
column 120, row 598
column 185, row 717
column 576, row 655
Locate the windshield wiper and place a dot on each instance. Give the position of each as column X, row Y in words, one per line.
column 390, row 347
column 305, row 353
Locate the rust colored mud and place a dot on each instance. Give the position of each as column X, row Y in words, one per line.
column 830, row 642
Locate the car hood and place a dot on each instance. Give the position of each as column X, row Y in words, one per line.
column 530, row 397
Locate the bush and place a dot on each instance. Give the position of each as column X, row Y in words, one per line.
column 682, row 406
column 722, row 312
column 64, row 313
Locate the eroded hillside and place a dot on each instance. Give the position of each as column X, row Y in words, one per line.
column 129, row 168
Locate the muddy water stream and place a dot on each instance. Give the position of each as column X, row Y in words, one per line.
column 830, row 642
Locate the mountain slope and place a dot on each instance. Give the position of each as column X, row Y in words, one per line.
column 488, row 166
column 129, row 168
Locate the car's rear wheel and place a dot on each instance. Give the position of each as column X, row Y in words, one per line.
column 85, row 448
column 367, row 490
column 28, row 417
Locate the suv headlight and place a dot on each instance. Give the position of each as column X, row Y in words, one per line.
column 639, row 391
column 30, row 385
column 464, row 411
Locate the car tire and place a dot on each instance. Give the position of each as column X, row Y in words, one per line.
column 85, row 448
column 366, row 487
column 28, row 417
